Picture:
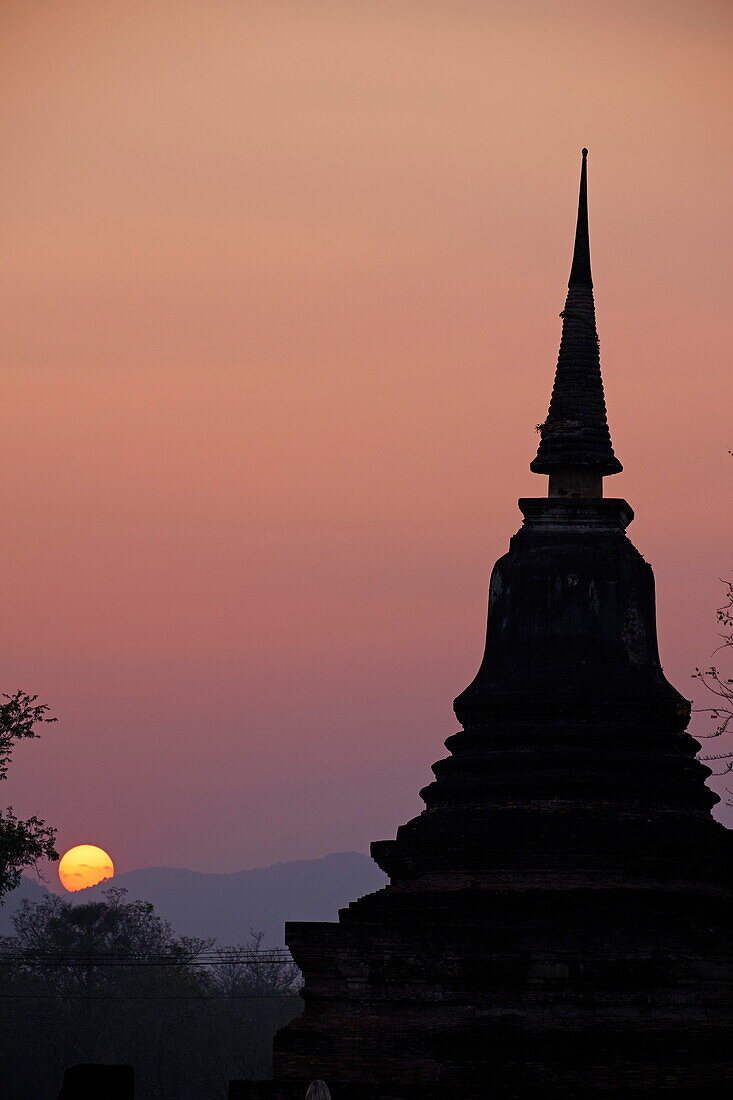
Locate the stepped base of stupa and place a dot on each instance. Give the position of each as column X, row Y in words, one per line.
column 522, row 984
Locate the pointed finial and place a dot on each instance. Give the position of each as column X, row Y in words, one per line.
column 580, row 274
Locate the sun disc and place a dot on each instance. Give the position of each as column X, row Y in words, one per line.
column 84, row 865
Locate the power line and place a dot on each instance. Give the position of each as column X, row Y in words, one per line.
column 219, row 953
column 63, row 996
column 211, row 958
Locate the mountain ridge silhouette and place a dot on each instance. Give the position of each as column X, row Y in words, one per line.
column 228, row 905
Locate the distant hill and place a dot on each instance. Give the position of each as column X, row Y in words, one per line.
column 28, row 889
column 228, row 906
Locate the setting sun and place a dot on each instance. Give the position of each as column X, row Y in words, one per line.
column 85, row 865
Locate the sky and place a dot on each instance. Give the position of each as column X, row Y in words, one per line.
column 279, row 297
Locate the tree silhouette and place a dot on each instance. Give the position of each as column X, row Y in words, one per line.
column 110, row 981
column 22, row 843
column 721, row 686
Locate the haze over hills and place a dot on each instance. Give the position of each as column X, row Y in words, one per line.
column 227, row 906
column 28, row 889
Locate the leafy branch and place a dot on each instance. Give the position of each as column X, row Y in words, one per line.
column 22, row 843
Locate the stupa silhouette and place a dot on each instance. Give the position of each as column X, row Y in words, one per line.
column 558, row 917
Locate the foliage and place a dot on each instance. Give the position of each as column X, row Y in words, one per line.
column 22, row 843
column 106, row 928
column 126, row 988
column 264, row 996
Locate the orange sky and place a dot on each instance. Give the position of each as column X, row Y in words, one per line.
column 279, row 308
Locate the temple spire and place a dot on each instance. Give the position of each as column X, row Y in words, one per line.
column 575, row 444
column 580, row 274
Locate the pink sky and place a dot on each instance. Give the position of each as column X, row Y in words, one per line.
column 279, row 308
